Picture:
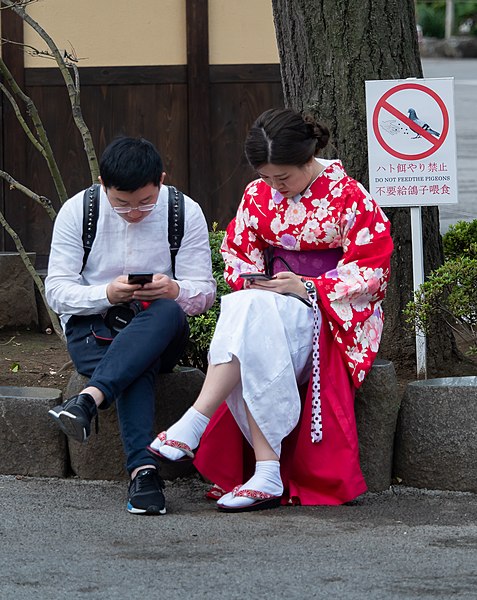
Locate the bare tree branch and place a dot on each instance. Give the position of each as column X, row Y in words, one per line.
column 22, row 3
column 31, row 269
column 43, row 201
column 69, row 57
column 71, row 85
column 65, row 60
column 21, row 120
column 43, row 146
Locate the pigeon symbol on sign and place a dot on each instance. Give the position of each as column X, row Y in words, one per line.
column 413, row 116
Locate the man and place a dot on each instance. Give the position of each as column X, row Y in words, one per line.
column 121, row 364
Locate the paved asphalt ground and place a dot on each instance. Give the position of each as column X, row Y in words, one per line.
column 71, row 539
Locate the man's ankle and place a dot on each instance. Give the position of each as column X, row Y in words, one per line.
column 95, row 393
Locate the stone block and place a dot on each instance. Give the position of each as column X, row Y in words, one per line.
column 455, row 47
column 436, row 441
column 376, row 407
column 102, row 456
column 17, row 292
column 31, row 442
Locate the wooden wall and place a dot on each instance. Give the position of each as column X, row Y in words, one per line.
column 196, row 114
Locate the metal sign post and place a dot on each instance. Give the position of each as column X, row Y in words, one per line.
column 418, row 279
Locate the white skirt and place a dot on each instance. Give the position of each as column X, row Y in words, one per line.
column 271, row 335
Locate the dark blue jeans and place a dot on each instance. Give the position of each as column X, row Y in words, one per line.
column 125, row 368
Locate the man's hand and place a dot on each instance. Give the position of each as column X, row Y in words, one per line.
column 161, row 286
column 119, row 290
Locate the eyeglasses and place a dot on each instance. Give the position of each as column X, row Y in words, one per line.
column 124, row 210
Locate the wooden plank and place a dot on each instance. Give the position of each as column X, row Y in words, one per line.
column 197, row 28
column 42, row 76
column 14, row 140
column 173, row 74
column 234, row 107
column 245, row 73
column 2, row 167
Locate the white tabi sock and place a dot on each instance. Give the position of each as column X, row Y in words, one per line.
column 265, row 479
column 188, row 429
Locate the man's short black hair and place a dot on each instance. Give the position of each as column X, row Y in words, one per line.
column 128, row 164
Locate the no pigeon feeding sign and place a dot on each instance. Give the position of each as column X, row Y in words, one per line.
column 411, row 142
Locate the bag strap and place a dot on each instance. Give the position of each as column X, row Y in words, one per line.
column 90, row 219
column 271, row 259
column 176, row 224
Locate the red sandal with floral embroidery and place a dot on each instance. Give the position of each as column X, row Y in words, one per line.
column 162, row 437
column 214, row 493
column 263, row 501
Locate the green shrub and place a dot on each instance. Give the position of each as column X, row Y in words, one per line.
column 466, row 11
column 431, row 16
column 450, row 292
column 202, row 327
column 432, row 19
column 461, row 240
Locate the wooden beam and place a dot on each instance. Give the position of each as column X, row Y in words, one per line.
column 144, row 75
column 197, row 28
column 154, row 75
column 13, row 140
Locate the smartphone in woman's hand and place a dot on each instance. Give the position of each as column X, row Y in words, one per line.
column 252, row 276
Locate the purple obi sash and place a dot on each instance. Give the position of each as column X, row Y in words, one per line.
column 308, row 263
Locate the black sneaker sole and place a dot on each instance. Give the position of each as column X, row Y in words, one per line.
column 70, row 425
column 150, row 510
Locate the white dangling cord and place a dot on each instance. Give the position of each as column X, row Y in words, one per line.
column 316, row 422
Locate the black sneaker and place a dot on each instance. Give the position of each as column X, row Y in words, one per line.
column 75, row 415
column 146, row 494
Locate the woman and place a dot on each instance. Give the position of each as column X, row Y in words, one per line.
column 268, row 343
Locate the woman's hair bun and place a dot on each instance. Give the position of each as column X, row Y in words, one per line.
column 320, row 132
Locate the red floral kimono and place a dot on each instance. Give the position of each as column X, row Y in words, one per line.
column 335, row 212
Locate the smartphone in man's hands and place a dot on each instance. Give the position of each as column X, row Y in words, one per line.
column 139, row 278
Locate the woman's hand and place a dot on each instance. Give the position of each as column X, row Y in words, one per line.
column 282, row 283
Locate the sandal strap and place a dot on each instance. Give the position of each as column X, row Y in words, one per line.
column 215, row 492
column 162, row 437
column 254, row 494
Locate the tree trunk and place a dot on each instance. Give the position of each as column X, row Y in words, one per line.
column 328, row 49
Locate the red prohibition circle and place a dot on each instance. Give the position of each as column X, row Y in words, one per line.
column 382, row 104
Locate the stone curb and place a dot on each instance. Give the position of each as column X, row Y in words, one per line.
column 50, row 453
column 436, row 442
column 31, row 443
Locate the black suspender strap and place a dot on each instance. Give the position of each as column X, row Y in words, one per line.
column 90, row 219
column 176, row 223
